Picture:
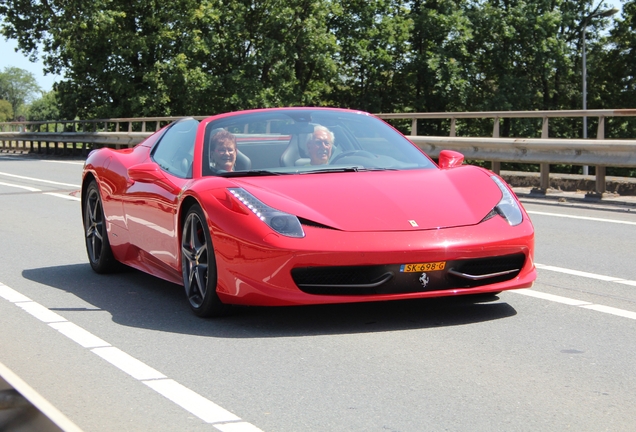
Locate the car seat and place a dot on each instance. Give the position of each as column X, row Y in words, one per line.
column 296, row 152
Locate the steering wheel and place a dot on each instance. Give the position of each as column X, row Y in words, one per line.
column 361, row 153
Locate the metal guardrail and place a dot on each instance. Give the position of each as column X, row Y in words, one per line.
column 576, row 151
column 133, row 124
column 496, row 115
column 597, row 152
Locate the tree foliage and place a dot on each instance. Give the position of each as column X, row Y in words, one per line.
column 44, row 108
column 18, row 87
column 6, row 111
column 149, row 58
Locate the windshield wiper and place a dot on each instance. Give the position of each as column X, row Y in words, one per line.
column 378, row 169
column 334, row 169
column 250, row 173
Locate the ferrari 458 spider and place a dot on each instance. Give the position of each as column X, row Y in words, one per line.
column 296, row 206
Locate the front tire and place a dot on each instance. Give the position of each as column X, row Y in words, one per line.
column 198, row 266
column 100, row 254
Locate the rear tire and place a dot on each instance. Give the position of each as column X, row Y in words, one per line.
column 198, row 266
column 100, row 254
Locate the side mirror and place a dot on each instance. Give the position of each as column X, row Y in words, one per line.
column 150, row 172
column 145, row 173
column 450, row 159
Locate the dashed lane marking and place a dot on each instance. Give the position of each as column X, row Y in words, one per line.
column 65, row 196
column 585, row 274
column 580, row 303
column 63, row 162
column 187, row 399
column 29, row 188
column 39, row 180
column 581, row 217
column 32, row 189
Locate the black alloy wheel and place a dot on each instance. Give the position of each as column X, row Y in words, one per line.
column 198, row 266
column 98, row 248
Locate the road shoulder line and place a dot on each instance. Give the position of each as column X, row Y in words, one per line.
column 187, row 399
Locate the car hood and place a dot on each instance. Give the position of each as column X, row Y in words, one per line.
column 381, row 201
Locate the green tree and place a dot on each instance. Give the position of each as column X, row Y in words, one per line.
column 612, row 73
column 193, row 57
column 19, row 87
column 440, row 66
column 373, row 51
column 6, row 111
column 44, row 108
column 122, row 58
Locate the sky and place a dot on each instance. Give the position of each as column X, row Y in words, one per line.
column 9, row 57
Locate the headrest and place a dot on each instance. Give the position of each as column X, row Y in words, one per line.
column 297, row 128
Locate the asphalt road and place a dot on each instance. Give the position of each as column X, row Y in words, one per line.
column 123, row 352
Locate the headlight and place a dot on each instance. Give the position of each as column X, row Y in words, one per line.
column 507, row 207
column 281, row 222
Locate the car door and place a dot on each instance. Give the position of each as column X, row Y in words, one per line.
column 150, row 204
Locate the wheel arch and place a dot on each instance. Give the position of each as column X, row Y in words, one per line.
column 186, row 204
column 88, row 178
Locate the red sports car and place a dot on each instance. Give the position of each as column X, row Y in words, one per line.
column 296, row 206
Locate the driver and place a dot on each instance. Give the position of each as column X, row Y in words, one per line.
column 319, row 145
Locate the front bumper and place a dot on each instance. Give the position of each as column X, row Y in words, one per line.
column 330, row 266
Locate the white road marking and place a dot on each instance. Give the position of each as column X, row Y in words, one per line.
column 582, row 217
column 12, row 295
column 551, row 297
column 127, row 363
column 79, row 335
column 189, row 400
column 40, row 312
column 237, row 427
column 64, row 162
column 29, row 188
column 585, row 274
column 206, row 410
column 39, row 180
column 580, row 303
column 32, row 189
column 65, row 196
column 611, row 310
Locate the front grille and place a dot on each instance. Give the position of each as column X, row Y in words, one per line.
column 509, row 265
column 388, row 279
column 350, row 280
column 482, row 266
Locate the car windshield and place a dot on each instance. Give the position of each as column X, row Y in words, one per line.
column 302, row 141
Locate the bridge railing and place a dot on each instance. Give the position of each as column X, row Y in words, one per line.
column 599, row 152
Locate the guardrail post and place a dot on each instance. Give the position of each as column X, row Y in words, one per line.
column 414, row 126
column 494, row 165
column 544, row 179
column 600, row 183
column 452, row 127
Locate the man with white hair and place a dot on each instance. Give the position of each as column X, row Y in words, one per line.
column 319, row 145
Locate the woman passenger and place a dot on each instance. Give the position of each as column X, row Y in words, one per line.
column 223, row 151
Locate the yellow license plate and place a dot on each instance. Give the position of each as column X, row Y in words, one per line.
column 423, row 267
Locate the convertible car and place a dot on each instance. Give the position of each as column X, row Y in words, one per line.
column 297, row 206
